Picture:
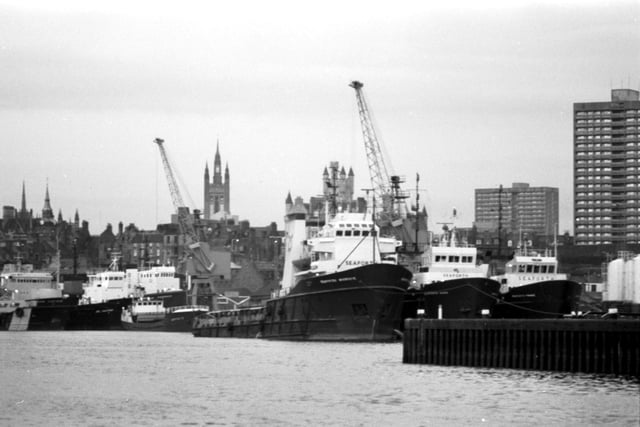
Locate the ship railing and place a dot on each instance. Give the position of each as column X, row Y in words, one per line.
column 185, row 307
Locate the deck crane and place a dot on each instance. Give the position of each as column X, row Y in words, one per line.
column 199, row 250
column 385, row 188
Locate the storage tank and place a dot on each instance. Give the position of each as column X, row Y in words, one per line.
column 626, row 293
column 615, row 280
column 635, row 285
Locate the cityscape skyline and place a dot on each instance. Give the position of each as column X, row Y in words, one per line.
column 466, row 96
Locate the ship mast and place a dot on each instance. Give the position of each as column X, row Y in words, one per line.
column 499, row 221
column 417, row 210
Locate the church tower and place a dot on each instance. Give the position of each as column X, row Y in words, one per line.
column 217, row 190
column 336, row 181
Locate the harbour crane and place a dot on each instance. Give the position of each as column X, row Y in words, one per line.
column 386, row 188
column 198, row 250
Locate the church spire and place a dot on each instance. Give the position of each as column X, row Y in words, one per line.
column 217, row 166
column 47, row 212
column 23, row 206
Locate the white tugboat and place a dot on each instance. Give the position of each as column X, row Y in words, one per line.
column 532, row 287
column 451, row 283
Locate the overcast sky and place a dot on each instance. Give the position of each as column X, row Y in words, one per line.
column 467, row 96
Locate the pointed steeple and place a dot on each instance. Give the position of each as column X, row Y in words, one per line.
column 60, row 219
column 217, row 168
column 206, row 171
column 47, row 212
column 216, row 160
column 23, row 206
column 226, row 172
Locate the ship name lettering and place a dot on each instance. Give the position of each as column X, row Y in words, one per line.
column 358, row 262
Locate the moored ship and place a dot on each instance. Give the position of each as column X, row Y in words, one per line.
column 531, row 287
column 143, row 314
column 108, row 293
column 32, row 300
column 450, row 283
column 146, row 314
column 340, row 284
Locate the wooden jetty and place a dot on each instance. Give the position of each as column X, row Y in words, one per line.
column 608, row 346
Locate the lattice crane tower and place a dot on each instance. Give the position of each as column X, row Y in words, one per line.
column 383, row 189
column 185, row 220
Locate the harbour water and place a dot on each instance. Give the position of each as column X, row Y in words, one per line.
column 154, row 378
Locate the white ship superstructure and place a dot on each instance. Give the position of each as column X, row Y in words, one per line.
column 527, row 269
column 346, row 242
column 114, row 284
column 23, row 283
column 449, row 260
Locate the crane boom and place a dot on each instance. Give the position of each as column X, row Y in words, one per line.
column 198, row 249
column 184, row 219
column 176, row 197
column 377, row 168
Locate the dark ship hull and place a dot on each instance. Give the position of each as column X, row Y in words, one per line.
column 47, row 314
column 178, row 320
column 360, row 304
column 541, row 300
column 463, row 298
column 107, row 315
column 181, row 319
column 64, row 314
column 98, row 316
column 155, row 325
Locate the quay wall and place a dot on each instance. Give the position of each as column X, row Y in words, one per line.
column 608, row 346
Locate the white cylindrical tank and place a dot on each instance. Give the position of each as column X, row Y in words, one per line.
column 615, row 280
column 635, row 285
column 627, row 286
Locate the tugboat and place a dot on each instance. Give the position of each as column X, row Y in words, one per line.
column 531, row 287
column 143, row 314
column 341, row 284
column 450, row 284
column 146, row 314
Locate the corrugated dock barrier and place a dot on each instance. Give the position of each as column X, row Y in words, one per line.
column 610, row 346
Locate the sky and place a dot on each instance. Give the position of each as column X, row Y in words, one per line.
column 468, row 96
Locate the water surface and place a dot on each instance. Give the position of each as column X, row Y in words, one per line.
column 154, row 378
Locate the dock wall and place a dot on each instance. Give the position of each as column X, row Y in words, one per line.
column 610, row 346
